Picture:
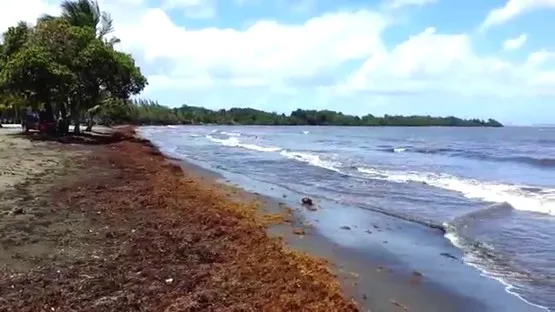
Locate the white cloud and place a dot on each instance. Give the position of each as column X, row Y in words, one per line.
column 335, row 54
column 515, row 43
column 434, row 62
column 514, row 8
column 12, row 12
column 540, row 58
column 265, row 52
column 397, row 4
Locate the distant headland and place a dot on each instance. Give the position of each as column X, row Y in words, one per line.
column 147, row 112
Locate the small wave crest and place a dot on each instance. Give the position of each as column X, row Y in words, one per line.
column 312, row 159
column 519, row 197
column 540, row 162
column 234, row 142
column 487, row 260
column 234, row 134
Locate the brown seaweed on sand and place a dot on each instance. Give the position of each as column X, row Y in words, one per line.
column 175, row 243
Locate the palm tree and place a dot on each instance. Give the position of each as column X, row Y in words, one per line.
column 87, row 13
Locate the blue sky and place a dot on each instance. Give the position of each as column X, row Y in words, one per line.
column 488, row 58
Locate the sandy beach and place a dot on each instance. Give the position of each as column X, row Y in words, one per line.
column 119, row 227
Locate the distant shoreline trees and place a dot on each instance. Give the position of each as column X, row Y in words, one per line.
column 147, row 112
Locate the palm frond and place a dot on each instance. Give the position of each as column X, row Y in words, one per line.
column 106, row 24
column 46, row 18
column 85, row 13
column 113, row 41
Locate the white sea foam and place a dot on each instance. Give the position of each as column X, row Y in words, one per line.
column 234, row 142
column 399, row 150
column 475, row 262
column 235, row 134
column 312, row 159
column 515, row 195
column 306, row 132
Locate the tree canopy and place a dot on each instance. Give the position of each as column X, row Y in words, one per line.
column 146, row 112
column 65, row 65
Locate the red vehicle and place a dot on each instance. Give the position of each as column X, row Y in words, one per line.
column 40, row 122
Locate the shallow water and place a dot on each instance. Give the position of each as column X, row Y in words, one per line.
column 491, row 190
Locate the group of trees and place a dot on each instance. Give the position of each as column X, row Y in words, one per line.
column 146, row 112
column 65, row 66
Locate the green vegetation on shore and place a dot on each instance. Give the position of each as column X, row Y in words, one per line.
column 65, row 66
column 145, row 112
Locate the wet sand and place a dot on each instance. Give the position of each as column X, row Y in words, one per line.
column 372, row 280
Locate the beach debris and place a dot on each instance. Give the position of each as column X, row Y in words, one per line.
column 308, row 204
column 450, row 256
column 345, row 227
column 416, row 273
column 402, row 306
column 284, row 196
column 169, row 280
column 299, row 231
column 416, row 278
column 17, row 210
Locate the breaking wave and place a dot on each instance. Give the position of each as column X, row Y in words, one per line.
column 312, row 159
column 234, row 142
column 522, row 198
column 540, row 162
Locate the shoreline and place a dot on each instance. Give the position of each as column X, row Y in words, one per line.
column 441, row 274
column 109, row 177
column 373, row 281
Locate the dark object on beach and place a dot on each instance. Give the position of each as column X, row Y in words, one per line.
column 368, row 231
column 299, row 231
column 345, row 227
column 416, row 278
column 404, row 307
column 17, row 211
column 450, row 256
column 307, row 201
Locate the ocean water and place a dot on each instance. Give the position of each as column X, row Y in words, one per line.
column 489, row 192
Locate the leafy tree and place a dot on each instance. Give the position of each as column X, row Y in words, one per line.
column 67, row 64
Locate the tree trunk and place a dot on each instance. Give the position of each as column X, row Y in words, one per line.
column 63, row 122
column 76, row 128
column 90, row 124
column 75, row 116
